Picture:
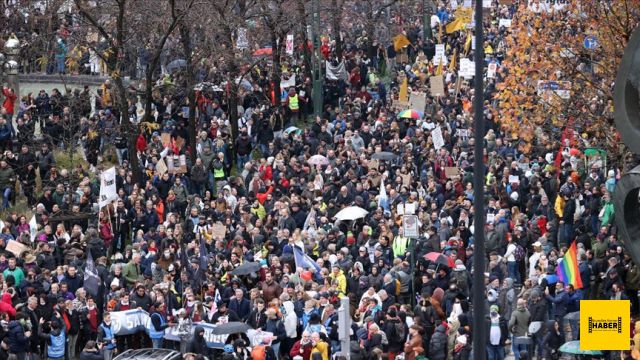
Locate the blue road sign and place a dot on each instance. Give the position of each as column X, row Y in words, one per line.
column 590, row 42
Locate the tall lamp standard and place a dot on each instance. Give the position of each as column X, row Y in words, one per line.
column 9, row 62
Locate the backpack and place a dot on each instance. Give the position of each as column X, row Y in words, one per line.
column 259, row 352
column 398, row 326
column 519, row 253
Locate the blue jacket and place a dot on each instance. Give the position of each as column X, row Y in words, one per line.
column 559, row 302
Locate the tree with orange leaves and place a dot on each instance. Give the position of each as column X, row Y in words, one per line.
column 549, row 46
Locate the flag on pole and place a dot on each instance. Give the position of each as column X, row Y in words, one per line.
column 467, row 43
column 452, row 65
column 567, row 269
column 108, row 191
column 439, row 68
column 304, row 261
column 403, row 96
column 455, row 25
column 91, row 278
column 400, row 42
column 383, row 199
column 33, row 228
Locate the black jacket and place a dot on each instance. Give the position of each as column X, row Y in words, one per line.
column 198, row 344
column 15, row 338
column 91, row 355
column 438, row 344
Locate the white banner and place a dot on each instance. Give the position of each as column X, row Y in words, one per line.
column 436, row 136
column 337, row 72
column 129, row 321
column 538, row 6
column 108, row 191
column 287, row 83
column 290, row 44
column 467, row 68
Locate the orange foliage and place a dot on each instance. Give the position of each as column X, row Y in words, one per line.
column 549, row 46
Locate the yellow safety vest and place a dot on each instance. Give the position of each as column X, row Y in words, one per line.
column 293, row 103
column 218, row 173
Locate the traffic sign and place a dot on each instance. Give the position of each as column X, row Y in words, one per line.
column 590, row 42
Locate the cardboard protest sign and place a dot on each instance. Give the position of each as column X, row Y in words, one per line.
column 176, row 164
column 16, row 248
column 437, row 85
column 451, row 172
column 219, row 231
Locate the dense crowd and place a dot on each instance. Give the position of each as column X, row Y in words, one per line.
column 172, row 243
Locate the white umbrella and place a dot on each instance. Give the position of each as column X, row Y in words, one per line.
column 351, row 213
column 318, row 160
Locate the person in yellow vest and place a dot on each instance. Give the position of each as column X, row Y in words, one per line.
column 319, row 346
column 293, row 105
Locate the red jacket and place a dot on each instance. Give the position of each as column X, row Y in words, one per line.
column 141, row 143
column 9, row 100
column 6, row 305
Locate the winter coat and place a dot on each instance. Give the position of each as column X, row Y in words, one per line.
column 552, row 340
column 519, row 321
column 6, row 305
column 198, row 345
column 15, row 338
column 438, row 344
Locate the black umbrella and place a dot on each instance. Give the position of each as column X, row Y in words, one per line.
column 384, row 156
column 233, row 327
column 246, row 268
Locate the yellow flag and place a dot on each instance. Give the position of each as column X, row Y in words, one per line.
column 455, row 25
column 467, row 44
column 452, row 65
column 400, row 42
column 439, row 69
column 404, row 96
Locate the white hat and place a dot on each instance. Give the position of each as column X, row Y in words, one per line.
column 537, row 244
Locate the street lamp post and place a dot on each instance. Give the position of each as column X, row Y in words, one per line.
column 426, row 20
column 10, row 64
column 317, row 58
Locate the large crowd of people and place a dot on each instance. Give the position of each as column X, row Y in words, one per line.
column 173, row 242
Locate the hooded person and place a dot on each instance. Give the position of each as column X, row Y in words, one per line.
column 498, row 333
column 198, row 345
column 6, row 305
column 91, row 352
column 552, row 340
column 438, row 343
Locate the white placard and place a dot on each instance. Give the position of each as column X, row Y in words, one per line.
column 514, row 179
column 440, row 55
column 490, row 218
column 242, row 42
column 108, row 191
column 290, row 44
column 466, row 4
column 486, row 3
column 492, row 68
column 467, row 68
column 504, row 22
column 438, row 140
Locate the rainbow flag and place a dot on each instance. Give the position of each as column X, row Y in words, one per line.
column 567, row 269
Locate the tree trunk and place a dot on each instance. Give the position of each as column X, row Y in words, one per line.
column 185, row 39
column 302, row 34
column 276, row 57
column 129, row 129
column 337, row 18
